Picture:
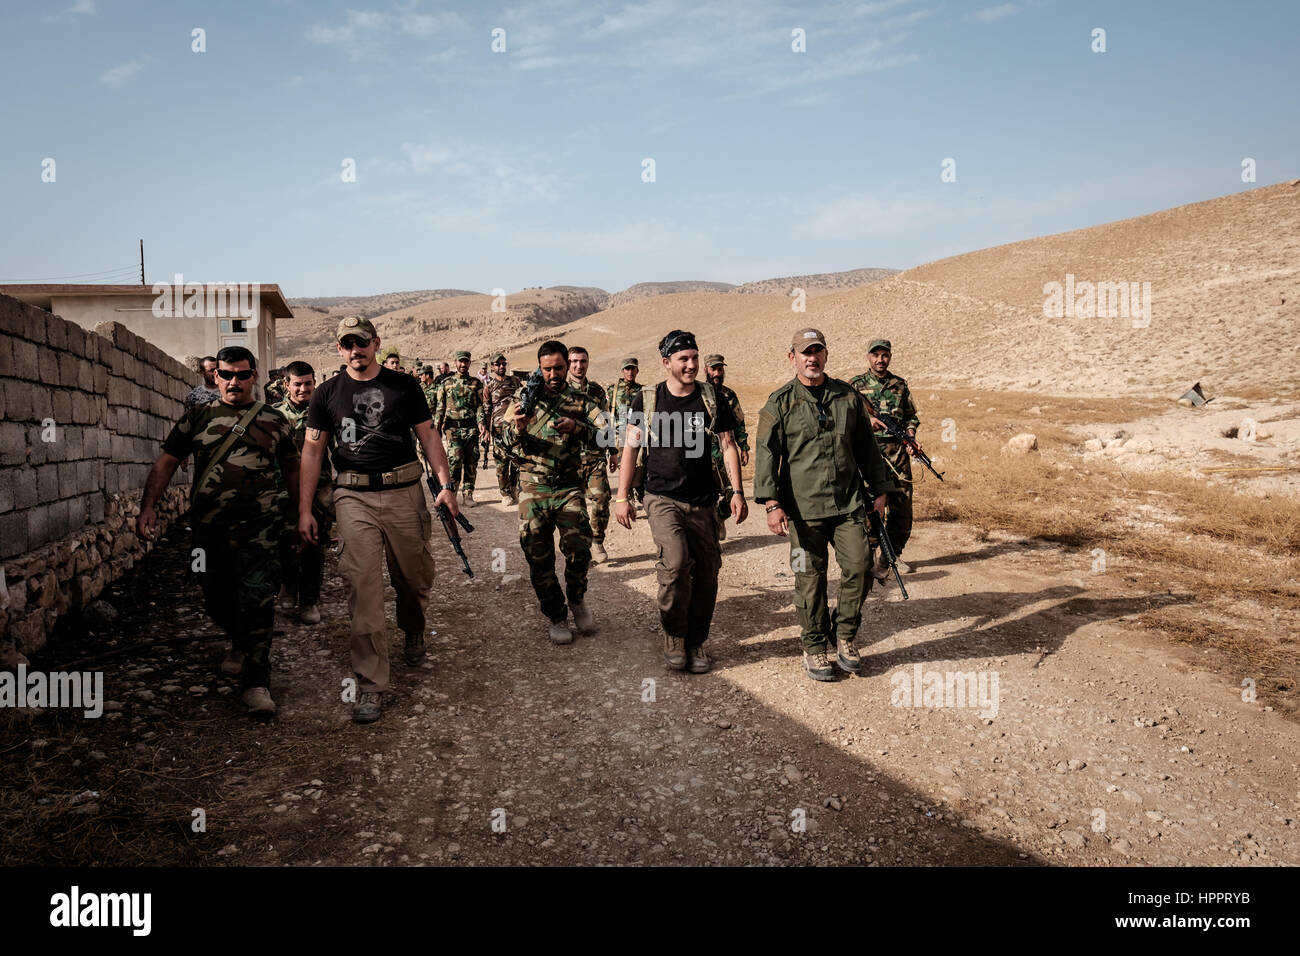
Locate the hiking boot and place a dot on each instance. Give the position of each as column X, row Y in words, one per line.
column 467, row 498
column 368, row 707
column 287, row 598
column 598, row 553
column 513, row 498
column 258, row 701
column 232, row 665
column 846, row 655
column 583, row 619
column 414, row 648
column 309, row 614
column 697, row 661
column 903, row 566
column 818, row 665
column 675, row 652
column 560, row 633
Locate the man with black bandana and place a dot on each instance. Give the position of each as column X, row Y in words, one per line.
column 670, row 426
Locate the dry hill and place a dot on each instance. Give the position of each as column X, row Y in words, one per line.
column 1223, row 277
column 819, row 284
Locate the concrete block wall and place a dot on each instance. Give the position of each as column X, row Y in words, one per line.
column 82, row 417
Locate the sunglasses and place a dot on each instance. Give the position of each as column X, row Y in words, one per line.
column 352, row 342
column 244, row 374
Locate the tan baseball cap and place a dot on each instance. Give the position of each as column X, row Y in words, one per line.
column 356, row 325
column 806, row 337
column 712, row 360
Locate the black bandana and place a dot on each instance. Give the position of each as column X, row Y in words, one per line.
column 676, row 341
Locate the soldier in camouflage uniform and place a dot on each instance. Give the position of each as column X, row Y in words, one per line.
column 303, row 572
column 500, row 390
column 886, row 393
column 620, row 396
column 594, row 475
column 462, row 418
column 275, row 387
column 237, row 508
column 548, row 445
column 715, row 367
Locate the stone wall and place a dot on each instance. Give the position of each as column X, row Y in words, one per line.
column 82, row 416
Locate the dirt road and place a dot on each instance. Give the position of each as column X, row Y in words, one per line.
column 1105, row 745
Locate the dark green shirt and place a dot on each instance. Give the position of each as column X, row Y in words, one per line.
column 813, row 457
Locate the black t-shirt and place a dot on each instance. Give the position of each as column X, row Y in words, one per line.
column 369, row 422
column 680, row 464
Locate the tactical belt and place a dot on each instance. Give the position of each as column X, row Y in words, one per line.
column 456, row 423
column 407, row 474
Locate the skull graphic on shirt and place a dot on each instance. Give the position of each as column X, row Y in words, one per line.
column 368, row 406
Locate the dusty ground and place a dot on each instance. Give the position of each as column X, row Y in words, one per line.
column 1109, row 746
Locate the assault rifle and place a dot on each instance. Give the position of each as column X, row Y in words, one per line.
column 532, row 390
column 896, row 430
column 448, row 525
column 886, row 546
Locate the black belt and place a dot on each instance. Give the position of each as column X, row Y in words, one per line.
column 462, row 425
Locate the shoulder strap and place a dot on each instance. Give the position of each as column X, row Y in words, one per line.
column 710, row 401
column 227, row 443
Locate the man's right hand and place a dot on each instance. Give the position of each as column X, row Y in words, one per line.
column 307, row 529
column 624, row 514
column 146, row 524
column 777, row 522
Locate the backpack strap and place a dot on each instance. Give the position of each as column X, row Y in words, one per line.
column 236, row 431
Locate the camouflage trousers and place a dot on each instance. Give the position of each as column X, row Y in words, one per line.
column 596, row 480
column 507, row 471
column 545, row 508
column 240, row 580
column 898, row 504
column 462, row 455
column 810, row 543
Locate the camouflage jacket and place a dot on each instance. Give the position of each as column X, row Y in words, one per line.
column 591, row 451
column 249, row 482
column 297, row 418
column 431, row 395
column 545, row 453
column 732, row 401
column 620, row 396
column 460, row 399
column 497, row 396
column 889, row 395
column 275, row 392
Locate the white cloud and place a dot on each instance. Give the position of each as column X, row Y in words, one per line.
column 81, row 8
column 120, row 74
column 363, row 34
column 989, row 14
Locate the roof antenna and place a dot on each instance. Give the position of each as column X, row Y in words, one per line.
column 142, row 282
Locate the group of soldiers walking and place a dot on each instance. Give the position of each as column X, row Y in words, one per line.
column 351, row 452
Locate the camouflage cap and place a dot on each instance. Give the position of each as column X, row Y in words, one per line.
column 499, row 357
column 462, row 355
column 880, row 344
column 631, row 362
column 356, row 325
column 806, row 337
column 427, row 370
column 712, row 360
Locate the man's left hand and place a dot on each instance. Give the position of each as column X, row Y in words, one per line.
column 739, row 508
column 448, row 497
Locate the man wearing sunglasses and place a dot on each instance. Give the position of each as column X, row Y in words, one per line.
column 815, row 449
column 367, row 416
column 246, row 469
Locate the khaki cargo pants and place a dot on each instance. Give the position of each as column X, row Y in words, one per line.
column 392, row 526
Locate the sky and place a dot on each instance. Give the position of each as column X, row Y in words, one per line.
column 478, row 168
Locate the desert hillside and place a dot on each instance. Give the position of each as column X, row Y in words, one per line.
column 372, row 305
column 818, row 284
column 1223, row 280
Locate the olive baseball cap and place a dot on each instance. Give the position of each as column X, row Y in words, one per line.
column 356, row 325
column 880, row 344
column 712, row 360
column 462, row 355
column 631, row 362
column 499, row 357
column 806, row 337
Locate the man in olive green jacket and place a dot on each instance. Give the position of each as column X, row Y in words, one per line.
column 814, row 451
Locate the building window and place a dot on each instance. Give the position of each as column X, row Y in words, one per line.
column 235, row 326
